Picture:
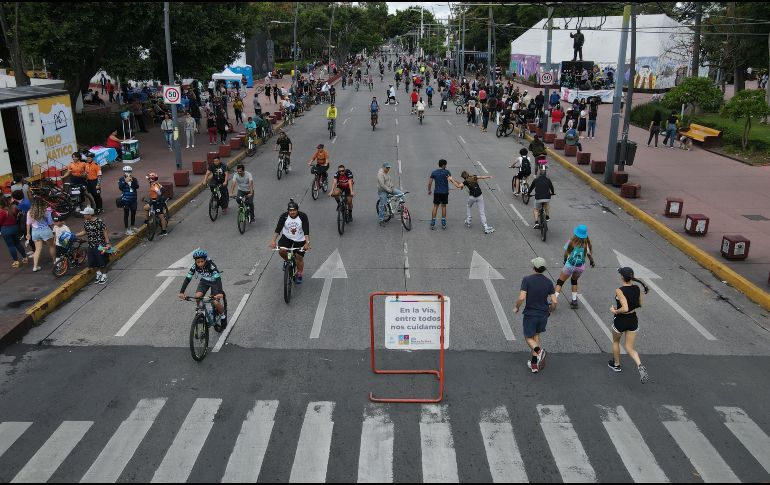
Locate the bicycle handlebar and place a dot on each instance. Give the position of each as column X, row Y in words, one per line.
column 204, row 299
column 289, row 249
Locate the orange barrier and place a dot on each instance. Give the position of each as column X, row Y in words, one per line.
column 438, row 373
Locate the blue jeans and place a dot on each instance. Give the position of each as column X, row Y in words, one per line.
column 591, row 127
column 168, row 135
column 11, row 238
column 670, row 135
column 384, row 200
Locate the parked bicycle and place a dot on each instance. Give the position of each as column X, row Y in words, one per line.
column 396, row 204
column 319, row 182
column 199, row 329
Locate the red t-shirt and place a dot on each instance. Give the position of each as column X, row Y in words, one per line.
column 557, row 115
column 110, row 143
column 415, row 97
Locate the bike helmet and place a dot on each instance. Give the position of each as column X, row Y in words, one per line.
column 292, row 205
column 200, row 253
column 320, row 145
column 152, row 177
column 523, row 152
column 128, row 169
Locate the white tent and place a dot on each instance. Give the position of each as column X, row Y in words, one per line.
column 226, row 75
column 661, row 46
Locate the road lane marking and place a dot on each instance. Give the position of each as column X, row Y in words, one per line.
column 406, row 262
column 482, row 270
column 52, row 454
column 566, row 448
column 439, row 462
column 396, row 121
column 254, row 268
column 747, row 432
column 461, row 139
column 345, row 121
column 10, row 432
column 505, row 463
column 139, row 312
column 352, row 108
column 399, row 167
column 482, row 166
column 188, row 443
column 334, row 140
column 248, row 454
column 312, row 457
column 598, row 320
column 397, row 139
column 123, row 444
column 331, row 268
column 519, row 214
column 698, row 449
column 375, row 459
column 628, row 442
column 231, row 323
column 449, row 122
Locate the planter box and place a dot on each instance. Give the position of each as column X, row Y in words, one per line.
column 224, row 151
column 235, row 142
column 549, row 137
column 696, row 224
column 167, row 188
column 619, row 178
column 210, row 156
column 674, row 207
column 559, row 144
column 735, row 247
column 630, row 191
column 584, row 158
column 598, row 166
column 570, row 150
column 181, row 178
column 199, row 167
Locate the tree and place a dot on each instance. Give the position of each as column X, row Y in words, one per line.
column 747, row 104
column 694, row 92
column 11, row 37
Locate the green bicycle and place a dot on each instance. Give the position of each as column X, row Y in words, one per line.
column 244, row 213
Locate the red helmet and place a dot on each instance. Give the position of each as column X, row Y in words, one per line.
column 152, row 177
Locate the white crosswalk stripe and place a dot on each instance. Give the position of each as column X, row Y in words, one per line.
column 698, row 449
column 568, row 452
column 505, row 463
column 10, row 432
column 439, row 463
column 375, row 460
column 748, row 433
column 51, row 455
column 181, row 456
column 246, row 460
column 123, row 444
column 314, row 446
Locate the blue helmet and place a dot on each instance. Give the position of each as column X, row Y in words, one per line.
column 200, row 253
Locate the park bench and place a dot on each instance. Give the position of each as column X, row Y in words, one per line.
column 708, row 136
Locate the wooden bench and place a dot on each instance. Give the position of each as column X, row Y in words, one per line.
column 708, row 136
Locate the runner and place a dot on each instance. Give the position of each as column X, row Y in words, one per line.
column 536, row 289
column 576, row 250
column 627, row 298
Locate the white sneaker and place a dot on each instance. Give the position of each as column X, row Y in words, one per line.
column 489, row 230
column 129, row 232
column 193, row 146
column 467, row 223
column 102, row 280
column 188, row 146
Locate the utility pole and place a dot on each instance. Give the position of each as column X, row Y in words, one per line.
column 170, row 65
column 549, row 46
column 422, row 13
column 619, row 78
column 334, row 5
column 296, row 74
column 630, row 90
column 462, row 54
column 696, row 40
column 490, row 73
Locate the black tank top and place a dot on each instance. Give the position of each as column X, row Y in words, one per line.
column 632, row 294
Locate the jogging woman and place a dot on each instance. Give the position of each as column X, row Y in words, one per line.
column 627, row 298
column 576, row 250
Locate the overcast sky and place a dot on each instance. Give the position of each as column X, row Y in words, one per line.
column 439, row 10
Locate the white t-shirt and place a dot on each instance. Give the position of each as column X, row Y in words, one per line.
column 292, row 229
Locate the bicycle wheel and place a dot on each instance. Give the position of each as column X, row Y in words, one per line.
column 406, row 218
column 340, row 219
column 458, row 101
column 325, row 184
column 500, row 131
column 459, row 110
column 314, row 187
column 241, row 220
column 252, row 149
column 199, row 338
column 280, row 169
column 152, row 226
column 213, row 208
column 288, row 280
column 61, row 266
column 79, row 256
column 543, row 225
column 524, row 194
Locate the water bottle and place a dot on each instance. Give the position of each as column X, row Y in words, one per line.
column 211, row 315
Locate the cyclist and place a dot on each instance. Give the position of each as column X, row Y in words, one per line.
column 358, row 74
column 385, row 187
column 576, row 250
column 374, row 108
column 429, row 92
column 414, row 97
column 219, row 176
column 284, row 144
column 343, row 182
column 211, row 279
column 525, row 170
column 251, row 128
column 370, row 81
column 543, row 189
column 331, row 114
column 157, row 203
column 294, row 229
column 243, row 186
column 391, row 95
column 420, row 108
column 321, row 159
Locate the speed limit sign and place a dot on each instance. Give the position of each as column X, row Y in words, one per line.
column 172, row 95
column 546, row 78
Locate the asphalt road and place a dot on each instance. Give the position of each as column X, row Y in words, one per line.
column 111, row 392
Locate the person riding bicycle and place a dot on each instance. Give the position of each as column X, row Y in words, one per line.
column 391, row 93
column 343, row 182
column 429, row 93
column 157, row 203
column 331, row 114
column 385, row 187
column 525, row 170
column 358, row 74
column 210, row 279
column 251, row 127
column 321, row 159
column 543, row 189
column 420, row 106
column 537, row 147
column 374, row 108
column 243, row 186
column 414, row 97
column 219, row 176
column 283, row 144
column 370, row 82
column 294, row 228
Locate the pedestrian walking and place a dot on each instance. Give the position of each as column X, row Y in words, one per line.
column 190, row 127
column 211, row 126
column 111, row 91
column 39, row 224
column 267, row 90
column 442, row 177
column 222, row 126
column 275, row 94
column 582, row 123
column 540, row 296
column 593, row 112
column 94, row 181
column 129, row 185
column 475, row 197
column 628, row 298
column 671, row 123
column 9, row 229
column 556, row 116
column 655, row 128
column 167, row 126
column 238, row 109
column 576, row 250
column 99, row 246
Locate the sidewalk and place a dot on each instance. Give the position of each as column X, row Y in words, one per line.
column 24, row 288
column 723, row 189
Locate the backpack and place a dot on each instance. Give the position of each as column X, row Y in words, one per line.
column 473, row 189
column 577, row 257
column 525, row 165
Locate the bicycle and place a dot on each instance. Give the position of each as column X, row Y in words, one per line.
column 318, row 182
column 153, row 222
column 244, row 213
column 289, row 115
column 332, row 130
column 251, row 146
column 343, row 213
column 504, row 129
column 289, row 272
column 420, row 115
column 73, row 258
column 542, row 220
column 458, row 100
column 396, row 205
column 199, row 329
column 216, row 195
column 523, row 187
column 459, row 110
column 283, row 165
column 374, row 120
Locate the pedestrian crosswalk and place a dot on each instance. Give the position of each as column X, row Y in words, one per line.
column 502, row 442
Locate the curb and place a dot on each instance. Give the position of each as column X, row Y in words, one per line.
column 719, row 269
column 50, row 302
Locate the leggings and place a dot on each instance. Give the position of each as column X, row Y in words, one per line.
column 11, row 238
column 654, row 131
column 482, row 214
column 95, row 193
column 132, row 211
column 212, row 135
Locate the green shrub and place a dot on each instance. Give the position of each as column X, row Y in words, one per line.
column 695, row 91
column 642, row 114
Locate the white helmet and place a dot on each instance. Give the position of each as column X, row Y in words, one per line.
column 128, row 168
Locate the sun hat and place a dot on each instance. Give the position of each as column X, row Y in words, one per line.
column 581, row 231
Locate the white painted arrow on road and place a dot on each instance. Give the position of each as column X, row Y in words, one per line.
column 332, row 268
column 648, row 275
column 481, row 270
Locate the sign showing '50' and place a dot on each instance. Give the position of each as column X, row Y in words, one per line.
column 172, row 94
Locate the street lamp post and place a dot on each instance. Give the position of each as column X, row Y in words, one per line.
column 170, row 65
column 295, row 74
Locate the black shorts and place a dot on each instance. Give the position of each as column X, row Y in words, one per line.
column 625, row 322
column 440, row 199
column 285, row 242
column 96, row 259
column 215, row 286
column 534, row 325
column 345, row 190
column 523, row 175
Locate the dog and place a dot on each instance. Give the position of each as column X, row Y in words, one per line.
column 685, row 143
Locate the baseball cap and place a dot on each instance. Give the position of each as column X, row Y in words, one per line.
column 88, row 211
column 626, row 272
column 386, row 165
column 538, row 263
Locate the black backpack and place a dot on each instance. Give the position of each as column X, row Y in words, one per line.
column 525, row 165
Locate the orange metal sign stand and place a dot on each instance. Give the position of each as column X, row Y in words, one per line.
column 438, row 373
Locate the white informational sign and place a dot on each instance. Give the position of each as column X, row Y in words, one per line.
column 172, row 94
column 569, row 94
column 414, row 323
